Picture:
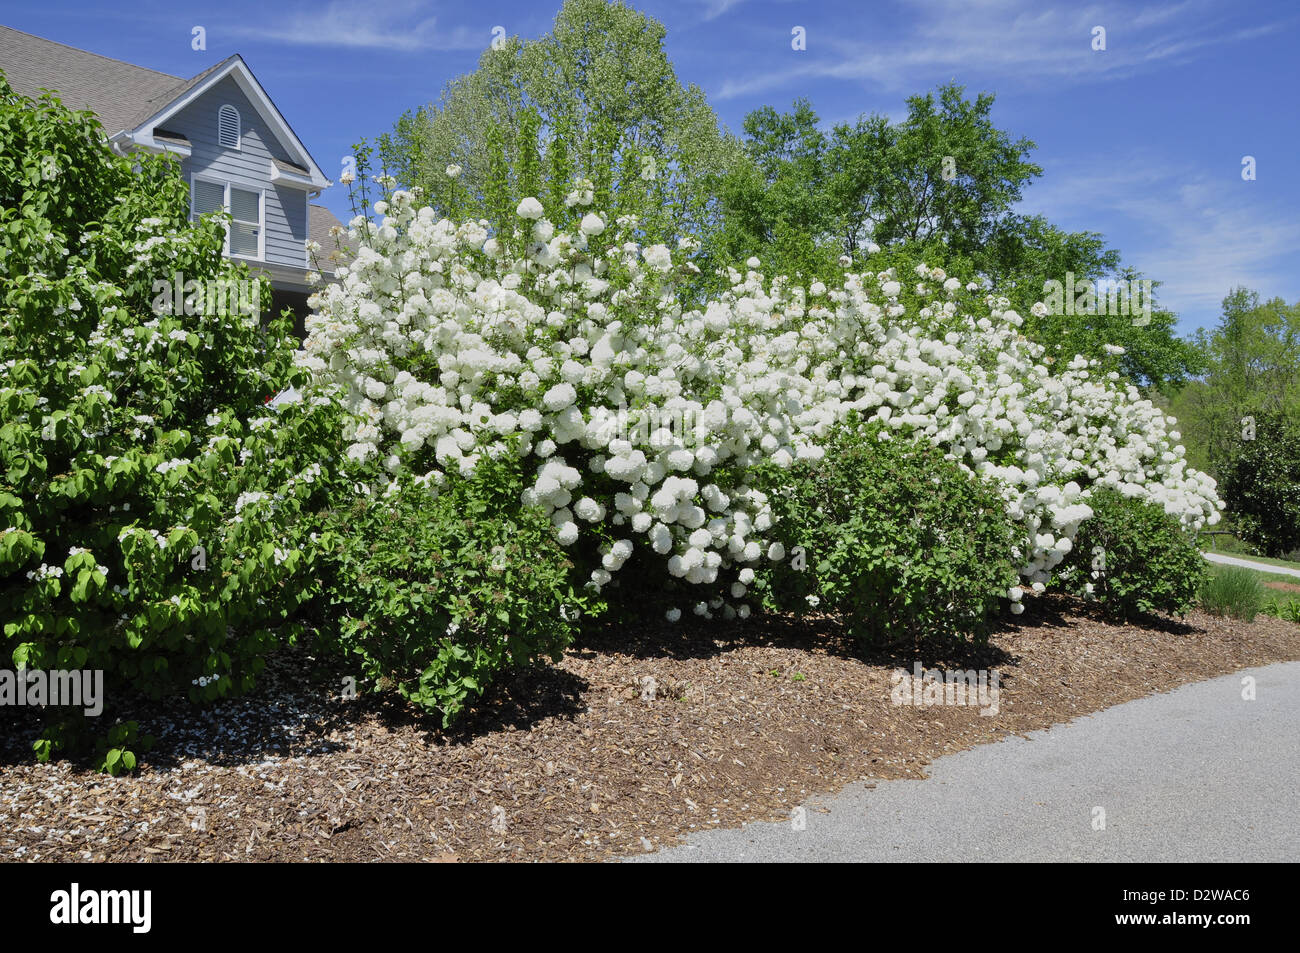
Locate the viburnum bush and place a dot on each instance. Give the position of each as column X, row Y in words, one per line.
column 151, row 506
column 891, row 537
column 1132, row 557
column 436, row 597
column 641, row 419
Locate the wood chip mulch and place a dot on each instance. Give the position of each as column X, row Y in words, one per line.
column 586, row 759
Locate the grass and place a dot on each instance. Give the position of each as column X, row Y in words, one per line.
column 1232, row 591
column 1280, row 602
column 1241, row 593
column 1282, row 608
column 1221, row 543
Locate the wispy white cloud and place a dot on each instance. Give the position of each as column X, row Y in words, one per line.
column 716, row 8
column 1016, row 42
column 400, row 25
column 1199, row 237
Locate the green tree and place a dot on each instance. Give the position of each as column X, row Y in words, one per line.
column 776, row 201
column 923, row 195
column 803, row 196
column 939, row 186
column 1261, row 484
column 1251, row 368
column 596, row 98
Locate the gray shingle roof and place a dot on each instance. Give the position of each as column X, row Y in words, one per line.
column 156, row 104
column 121, row 94
column 288, row 166
column 319, row 221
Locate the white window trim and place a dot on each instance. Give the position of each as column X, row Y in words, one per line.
column 239, row 130
column 225, row 202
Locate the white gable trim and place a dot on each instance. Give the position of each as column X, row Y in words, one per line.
column 237, row 70
column 123, row 142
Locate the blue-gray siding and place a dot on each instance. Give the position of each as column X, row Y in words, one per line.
column 285, row 213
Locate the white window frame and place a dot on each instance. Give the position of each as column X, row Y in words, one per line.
column 225, row 203
column 239, row 127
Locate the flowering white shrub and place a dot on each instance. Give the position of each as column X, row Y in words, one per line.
column 572, row 350
column 155, row 517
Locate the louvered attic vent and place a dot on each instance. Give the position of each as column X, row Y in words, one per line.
column 228, row 127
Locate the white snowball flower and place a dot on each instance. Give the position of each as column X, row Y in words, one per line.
column 652, row 427
column 529, row 208
column 559, row 397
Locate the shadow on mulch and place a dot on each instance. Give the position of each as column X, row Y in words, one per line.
column 1057, row 610
column 290, row 712
column 516, row 703
column 698, row 639
column 297, row 709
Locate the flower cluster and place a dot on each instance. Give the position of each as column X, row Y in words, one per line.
column 448, row 343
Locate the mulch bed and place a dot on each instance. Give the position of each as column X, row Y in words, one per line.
column 582, row 761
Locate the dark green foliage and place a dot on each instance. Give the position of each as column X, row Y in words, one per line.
column 1261, row 485
column 153, row 512
column 893, row 538
column 438, row 596
column 1136, row 556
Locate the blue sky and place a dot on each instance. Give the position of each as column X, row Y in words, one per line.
column 1142, row 142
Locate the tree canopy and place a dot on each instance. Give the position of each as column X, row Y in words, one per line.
column 597, row 99
column 940, row 185
column 593, row 113
column 1251, row 360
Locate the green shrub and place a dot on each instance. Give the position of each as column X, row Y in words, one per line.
column 1261, row 486
column 1232, row 591
column 1285, row 609
column 1133, row 557
column 151, row 507
column 891, row 537
column 436, row 596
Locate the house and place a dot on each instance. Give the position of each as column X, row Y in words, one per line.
column 235, row 149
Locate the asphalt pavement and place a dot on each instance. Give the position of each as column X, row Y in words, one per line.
column 1197, row 774
column 1250, row 564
